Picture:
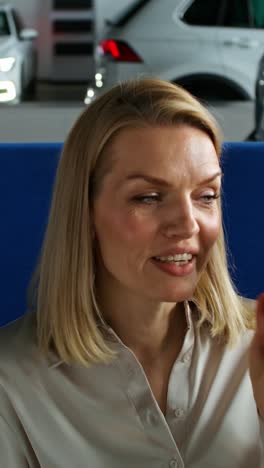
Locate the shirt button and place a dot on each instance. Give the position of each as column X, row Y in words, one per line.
column 173, row 463
column 179, row 413
column 186, row 358
column 151, row 417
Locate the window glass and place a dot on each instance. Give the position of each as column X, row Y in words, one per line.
column 18, row 22
column 72, row 4
column 73, row 48
column 242, row 13
column 229, row 13
column 257, row 12
column 203, row 13
column 4, row 27
column 70, row 26
column 236, row 14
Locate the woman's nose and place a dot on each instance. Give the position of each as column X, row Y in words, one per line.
column 181, row 221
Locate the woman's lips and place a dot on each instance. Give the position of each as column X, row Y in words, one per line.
column 176, row 270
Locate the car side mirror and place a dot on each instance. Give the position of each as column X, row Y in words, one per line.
column 28, row 34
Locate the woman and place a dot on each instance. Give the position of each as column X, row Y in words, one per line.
column 137, row 355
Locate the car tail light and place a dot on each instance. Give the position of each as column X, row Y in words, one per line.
column 119, row 51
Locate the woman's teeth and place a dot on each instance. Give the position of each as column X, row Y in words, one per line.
column 179, row 259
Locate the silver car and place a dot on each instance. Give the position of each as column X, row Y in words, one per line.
column 18, row 59
column 202, row 44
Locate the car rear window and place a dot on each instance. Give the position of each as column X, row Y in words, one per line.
column 202, row 13
column 257, row 10
column 4, row 26
column 126, row 15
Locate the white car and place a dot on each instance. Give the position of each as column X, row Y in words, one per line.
column 201, row 44
column 18, row 60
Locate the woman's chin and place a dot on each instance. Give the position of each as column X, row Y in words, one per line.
column 177, row 297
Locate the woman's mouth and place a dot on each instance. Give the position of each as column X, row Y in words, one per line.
column 177, row 259
column 176, row 265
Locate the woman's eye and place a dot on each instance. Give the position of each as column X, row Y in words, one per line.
column 147, row 199
column 209, row 198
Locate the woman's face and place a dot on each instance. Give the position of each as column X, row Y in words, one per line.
column 156, row 216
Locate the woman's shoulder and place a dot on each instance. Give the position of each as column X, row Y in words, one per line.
column 250, row 304
column 18, row 344
column 17, row 331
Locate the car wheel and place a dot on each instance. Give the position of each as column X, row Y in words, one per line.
column 28, row 92
column 22, row 86
column 32, row 86
column 210, row 87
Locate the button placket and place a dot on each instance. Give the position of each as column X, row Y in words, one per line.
column 187, row 357
column 173, row 463
column 178, row 398
column 139, row 393
column 179, row 413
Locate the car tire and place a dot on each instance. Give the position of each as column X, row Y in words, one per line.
column 28, row 92
column 31, row 89
column 22, row 86
column 211, row 87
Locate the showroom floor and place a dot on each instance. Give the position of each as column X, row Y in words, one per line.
column 57, row 107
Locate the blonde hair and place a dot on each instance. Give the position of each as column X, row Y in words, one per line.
column 67, row 310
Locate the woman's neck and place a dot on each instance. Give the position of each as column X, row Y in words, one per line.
column 147, row 328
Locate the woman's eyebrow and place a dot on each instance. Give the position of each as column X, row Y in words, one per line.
column 164, row 183
column 148, row 178
column 211, row 178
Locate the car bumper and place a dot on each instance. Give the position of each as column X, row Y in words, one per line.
column 8, row 92
column 10, row 85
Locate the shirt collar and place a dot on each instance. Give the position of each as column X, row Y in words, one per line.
column 111, row 336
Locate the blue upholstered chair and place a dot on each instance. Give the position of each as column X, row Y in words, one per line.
column 26, row 178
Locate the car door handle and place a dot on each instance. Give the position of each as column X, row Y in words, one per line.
column 243, row 43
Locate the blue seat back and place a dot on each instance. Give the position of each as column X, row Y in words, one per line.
column 26, row 179
column 27, row 174
column 243, row 208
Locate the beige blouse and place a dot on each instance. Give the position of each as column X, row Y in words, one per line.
column 54, row 415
